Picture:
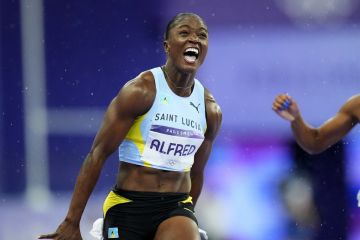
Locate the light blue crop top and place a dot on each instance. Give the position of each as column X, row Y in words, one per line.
column 169, row 134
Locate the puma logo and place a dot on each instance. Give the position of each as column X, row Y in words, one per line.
column 196, row 107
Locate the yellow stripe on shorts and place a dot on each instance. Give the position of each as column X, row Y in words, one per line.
column 113, row 199
column 188, row 200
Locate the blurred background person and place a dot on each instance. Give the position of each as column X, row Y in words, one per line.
column 318, row 139
column 298, row 197
column 315, row 140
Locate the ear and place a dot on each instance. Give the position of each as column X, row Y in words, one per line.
column 166, row 46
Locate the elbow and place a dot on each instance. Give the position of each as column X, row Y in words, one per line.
column 315, row 145
column 314, row 149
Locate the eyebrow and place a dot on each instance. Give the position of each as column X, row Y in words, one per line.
column 185, row 25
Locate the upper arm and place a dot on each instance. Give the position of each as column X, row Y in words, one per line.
column 213, row 119
column 133, row 100
column 338, row 126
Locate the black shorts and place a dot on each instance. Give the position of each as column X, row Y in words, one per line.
column 132, row 215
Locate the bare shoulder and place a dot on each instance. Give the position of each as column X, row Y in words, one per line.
column 212, row 107
column 138, row 94
column 213, row 114
column 143, row 84
column 355, row 99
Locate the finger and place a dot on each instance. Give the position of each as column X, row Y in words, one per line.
column 285, row 105
column 277, row 105
column 281, row 99
column 282, row 102
column 282, row 96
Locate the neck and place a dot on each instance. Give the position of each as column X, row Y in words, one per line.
column 180, row 82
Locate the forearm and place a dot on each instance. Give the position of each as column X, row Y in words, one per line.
column 307, row 136
column 85, row 183
column 196, row 186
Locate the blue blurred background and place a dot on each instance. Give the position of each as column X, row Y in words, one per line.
column 61, row 63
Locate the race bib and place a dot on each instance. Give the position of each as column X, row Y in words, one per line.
column 171, row 148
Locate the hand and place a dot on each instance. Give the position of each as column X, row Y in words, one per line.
column 66, row 231
column 285, row 107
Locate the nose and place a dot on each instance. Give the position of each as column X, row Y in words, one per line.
column 194, row 38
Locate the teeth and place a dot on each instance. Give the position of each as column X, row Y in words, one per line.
column 192, row 50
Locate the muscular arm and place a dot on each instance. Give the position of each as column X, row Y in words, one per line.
column 213, row 117
column 133, row 100
column 116, row 123
column 315, row 140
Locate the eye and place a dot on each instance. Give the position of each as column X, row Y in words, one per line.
column 203, row 35
column 183, row 33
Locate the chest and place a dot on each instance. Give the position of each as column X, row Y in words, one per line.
column 186, row 114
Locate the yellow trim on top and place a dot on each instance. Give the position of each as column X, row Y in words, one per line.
column 147, row 164
column 134, row 135
column 113, row 199
column 205, row 128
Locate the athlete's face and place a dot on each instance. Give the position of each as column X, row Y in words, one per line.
column 187, row 44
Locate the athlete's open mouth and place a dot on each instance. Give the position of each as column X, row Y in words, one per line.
column 191, row 54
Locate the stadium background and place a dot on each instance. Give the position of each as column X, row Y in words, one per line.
column 61, row 63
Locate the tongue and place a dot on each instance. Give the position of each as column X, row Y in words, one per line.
column 190, row 59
